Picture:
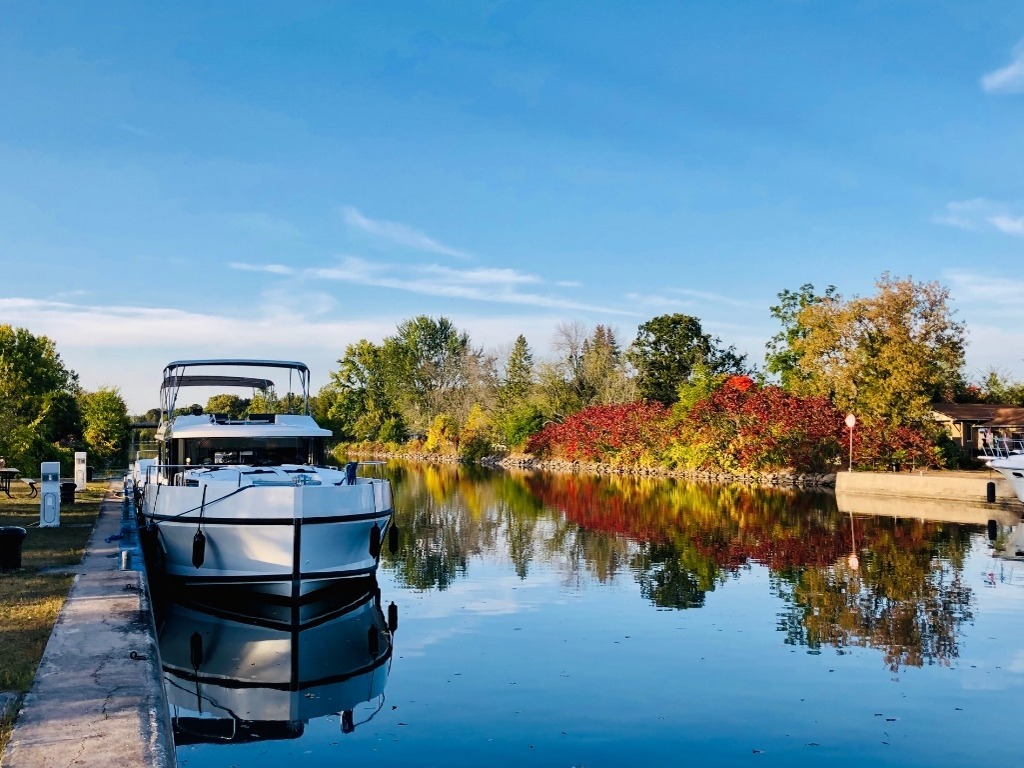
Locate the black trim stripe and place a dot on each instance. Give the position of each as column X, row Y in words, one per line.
column 207, row 520
column 191, row 677
column 284, row 577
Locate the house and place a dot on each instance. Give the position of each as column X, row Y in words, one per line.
column 962, row 420
column 971, row 423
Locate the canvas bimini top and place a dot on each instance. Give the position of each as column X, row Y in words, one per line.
column 175, row 378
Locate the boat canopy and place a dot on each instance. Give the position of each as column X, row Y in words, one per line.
column 217, row 381
column 175, row 377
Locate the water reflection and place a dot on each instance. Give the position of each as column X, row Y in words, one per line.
column 879, row 582
column 239, row 670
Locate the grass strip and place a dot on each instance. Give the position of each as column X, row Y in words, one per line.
column 31, row 598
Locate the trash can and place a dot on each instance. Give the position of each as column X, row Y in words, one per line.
column 11, row 537
column 67, row 493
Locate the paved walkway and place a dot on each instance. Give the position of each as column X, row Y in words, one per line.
column 98, row 699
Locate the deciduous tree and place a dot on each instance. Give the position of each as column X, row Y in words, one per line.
column 105, row 416
column 668, row 348
column 884, row 356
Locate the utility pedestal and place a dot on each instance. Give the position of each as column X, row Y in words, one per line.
column 81, row 474
column 49, row 494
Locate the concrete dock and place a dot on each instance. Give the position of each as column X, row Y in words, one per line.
column 97, row 699
column 960, row 497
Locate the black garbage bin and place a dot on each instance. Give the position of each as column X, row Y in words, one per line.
column 67, row 493
column 11, row 537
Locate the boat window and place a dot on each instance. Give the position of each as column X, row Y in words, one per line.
column 261, row 451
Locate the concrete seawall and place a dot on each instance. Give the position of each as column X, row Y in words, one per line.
column 949, row 496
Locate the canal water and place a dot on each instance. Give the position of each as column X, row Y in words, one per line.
column 557, row 620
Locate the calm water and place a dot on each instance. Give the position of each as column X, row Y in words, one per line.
column 568, row 621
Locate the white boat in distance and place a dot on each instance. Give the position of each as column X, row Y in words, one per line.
column 249, row 501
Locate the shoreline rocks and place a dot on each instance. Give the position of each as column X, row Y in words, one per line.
column 529, row 463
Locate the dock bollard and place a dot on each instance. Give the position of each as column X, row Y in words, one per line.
column 126, row 559
column 990, row 493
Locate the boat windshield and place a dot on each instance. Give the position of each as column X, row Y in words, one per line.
column 263, row 451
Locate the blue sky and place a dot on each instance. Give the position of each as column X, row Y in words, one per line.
column 282, row 179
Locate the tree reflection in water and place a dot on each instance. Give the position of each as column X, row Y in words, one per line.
column 902, row 593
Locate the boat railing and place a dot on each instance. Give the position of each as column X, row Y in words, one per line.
column 190, row 475
column 1001, row 447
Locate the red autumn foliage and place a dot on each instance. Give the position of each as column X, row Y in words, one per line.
column 760, row 428
column 622, row 433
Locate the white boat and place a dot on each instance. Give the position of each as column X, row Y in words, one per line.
column 232, row 677
column 1009, row 462
column 248, row 501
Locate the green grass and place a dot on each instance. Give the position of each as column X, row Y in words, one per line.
column 31, row 598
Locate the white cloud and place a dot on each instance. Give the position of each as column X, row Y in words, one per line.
column 980, row 214
column 1010, row 225
column 500, row 286
column 1009, row 79
column 274, row 269
column 714, row 298
column 399, row 234
column 127, row 346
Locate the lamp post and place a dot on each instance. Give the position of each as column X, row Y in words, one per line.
column 851, row 421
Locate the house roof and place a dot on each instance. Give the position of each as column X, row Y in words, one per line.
column 1006, row 416
column 968, row 411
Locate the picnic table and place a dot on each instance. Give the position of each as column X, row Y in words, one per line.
column 6, row 475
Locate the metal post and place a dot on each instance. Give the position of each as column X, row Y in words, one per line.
column 851, row 420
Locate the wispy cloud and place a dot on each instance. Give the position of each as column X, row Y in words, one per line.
column 712, row 298
column 686, row 298
column 982, row 214
column 1008, row 79
column 274, row 269
column 990, row 292
column 132, row 344
column 502, row 286
column 398, row 233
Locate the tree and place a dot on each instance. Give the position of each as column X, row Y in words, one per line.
column 233, row 406
column 39, row 416
column 669, row 347
column 517, row 381
column 603, row 369
column 886, row 356
column 781, row 356
column 424, row 362
column 998, row 388
column 107, row 426
column 360, row 397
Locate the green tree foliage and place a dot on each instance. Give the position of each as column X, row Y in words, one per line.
column 516, row 384
column 105, row 416
column 668, row 348
column 384, row 392
column 603, row 369
column 426, row 362
column 1000, row 389
column 517, row 414
column 782, row 357
column 361, row 395
column 885, row 356
column 39, row 415
column 233, row 406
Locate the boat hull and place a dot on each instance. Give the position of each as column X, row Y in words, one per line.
column 289, row 541
column 1012, row 468
column 235, row 676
